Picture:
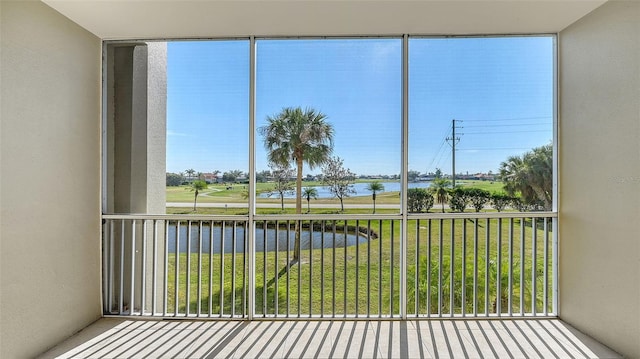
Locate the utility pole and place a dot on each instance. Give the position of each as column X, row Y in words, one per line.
column 454, row 140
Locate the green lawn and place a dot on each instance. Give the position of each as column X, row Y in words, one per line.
column 366, row 277
column 491, row 186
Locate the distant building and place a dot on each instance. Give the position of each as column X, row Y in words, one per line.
column 210, row 178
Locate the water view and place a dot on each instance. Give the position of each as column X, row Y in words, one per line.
column 360, row 188
column 224, row 242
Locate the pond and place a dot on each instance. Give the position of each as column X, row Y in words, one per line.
column 314, row 239
column 360, row 188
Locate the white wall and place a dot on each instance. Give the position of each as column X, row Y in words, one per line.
column 50, row 178
column 600, row 175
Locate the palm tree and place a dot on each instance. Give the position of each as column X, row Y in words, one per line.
column 190, row 172
column 197, row 186
column 298, row 136
column 440, row 188
column 375, row 187
column 308, row 193
column 531, row 175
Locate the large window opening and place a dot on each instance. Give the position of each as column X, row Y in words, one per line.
column 480, row 116
column 322, row 178
column 347, row 92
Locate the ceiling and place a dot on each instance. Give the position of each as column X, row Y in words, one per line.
column 222, row 18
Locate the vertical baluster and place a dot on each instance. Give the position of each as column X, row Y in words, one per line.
column 333, row 272
column 288, row 266
column 310, row 267
column 154, row 296
column 499, row 270
column 463, row 306
column 429, row 267
column 245, row 245
column 112, row 255
column 104, row 264
column 322, row 270
column 522, row 284
column 344, row 289
column 545, row 294
column 391, row 240
column 264, row 268
column 380, row 268
column 510, row 311
column 234, row 242
column 357, row 288
column 188, row 295
column 368, row 268
column 211, row 269
column 177, row 270
column 475, row 267
column 440, row 260
column 133, row 267
column 143, row 271
column 277, row 287
column 199, row 296
column 165, row 289
column 223, row 232
column 451, row 268
column 299, row 254
column 416, row 287
column 122, row 250
column 487, row 262
column 534, row 254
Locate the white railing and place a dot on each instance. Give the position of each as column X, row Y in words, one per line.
column 349, row 266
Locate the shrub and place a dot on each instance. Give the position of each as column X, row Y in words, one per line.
column 478, row 198
column 500, row 200
column 458, row 199
column 419, row 200
column 174, row 179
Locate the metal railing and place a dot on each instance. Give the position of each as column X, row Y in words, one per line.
column 350, row 266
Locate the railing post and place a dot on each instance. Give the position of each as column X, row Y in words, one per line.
column 250, row 250
column 404, row 185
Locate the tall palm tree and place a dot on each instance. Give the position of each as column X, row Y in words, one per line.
column 440, row 188
column 197, row 186
column 308, row 193
column 375, row 187
column 298, row 136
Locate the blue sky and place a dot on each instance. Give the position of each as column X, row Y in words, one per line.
column 500, row 88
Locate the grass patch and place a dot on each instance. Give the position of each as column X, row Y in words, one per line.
column 364, row 279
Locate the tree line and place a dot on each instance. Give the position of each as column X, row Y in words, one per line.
column 527, row 182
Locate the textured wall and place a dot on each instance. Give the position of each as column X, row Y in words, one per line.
column 600, row 175
column 50, row 165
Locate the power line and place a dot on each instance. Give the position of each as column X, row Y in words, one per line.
column 492, row 132
column 494, row 149
column 510, row 119
column 513, row 124
column 437, row 153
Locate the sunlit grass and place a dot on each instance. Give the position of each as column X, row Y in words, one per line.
column 365, row 279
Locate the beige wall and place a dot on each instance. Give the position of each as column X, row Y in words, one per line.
column 50, row 178
column 600, row 175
